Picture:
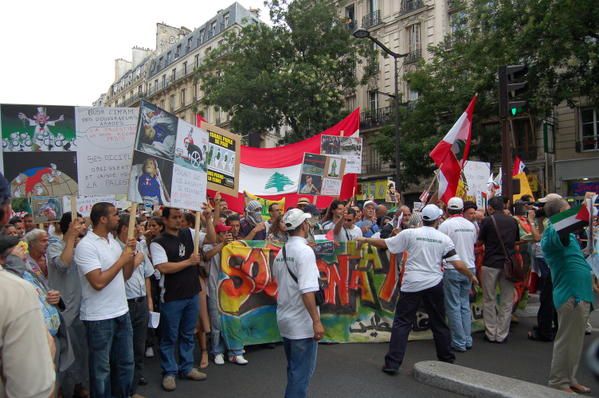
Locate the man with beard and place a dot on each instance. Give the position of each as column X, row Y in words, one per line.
column 64, row 277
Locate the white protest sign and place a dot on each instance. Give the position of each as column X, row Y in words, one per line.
column 105, row 139
column 477, row 176
column 348, row 148
column 85, row 203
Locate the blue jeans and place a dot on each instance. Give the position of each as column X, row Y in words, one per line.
column 111, row 365
column 178, row 319
column 457, row 307
column 301, row 363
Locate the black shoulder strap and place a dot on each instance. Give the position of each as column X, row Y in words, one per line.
column 499, row 237
column 287, row 265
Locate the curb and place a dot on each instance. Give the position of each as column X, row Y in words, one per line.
column 475, row 383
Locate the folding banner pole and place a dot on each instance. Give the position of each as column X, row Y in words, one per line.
column 73, row 207
column 132, row 219
column 196, row 237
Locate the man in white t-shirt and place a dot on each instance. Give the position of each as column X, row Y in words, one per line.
column 455, row 285
column 298, row 317
column 422, row 281
column 103, row 268
column 346, row 229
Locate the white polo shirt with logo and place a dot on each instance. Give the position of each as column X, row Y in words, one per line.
column 426, row 248
column 293, row 318
column 463, row 234
column 95, row 252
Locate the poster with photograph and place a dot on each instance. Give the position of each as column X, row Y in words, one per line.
column 321, row 175
column 169, row 162
column 37, row 128
column 348, row 148
column 156, row 132
column 41, row 173
column 222, row 159
column 105, row 139
column 46, row 209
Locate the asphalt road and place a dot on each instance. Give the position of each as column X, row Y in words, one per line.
column 353, row 370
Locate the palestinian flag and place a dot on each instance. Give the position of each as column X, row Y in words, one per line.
column 571, row 220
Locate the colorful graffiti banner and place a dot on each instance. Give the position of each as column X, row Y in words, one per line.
column 361, row 293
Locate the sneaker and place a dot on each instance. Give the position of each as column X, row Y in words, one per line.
column 389, row 370
column 219, row 359
column 168, row 383
column 238, row 360
column 149, row 352
column 196, row 375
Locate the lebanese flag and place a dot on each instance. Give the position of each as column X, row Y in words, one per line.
column 446, row 154
column 274, row 173
column 519, row 166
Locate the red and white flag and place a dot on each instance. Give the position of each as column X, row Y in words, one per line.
column 519, row 166
column 273, row 173
column 450, row 154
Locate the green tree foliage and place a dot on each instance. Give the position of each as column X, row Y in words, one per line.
column 293, row 73
column 557, row 39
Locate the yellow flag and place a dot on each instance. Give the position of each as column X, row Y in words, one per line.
column 524, row 186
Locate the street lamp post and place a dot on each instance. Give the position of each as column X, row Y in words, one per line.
column 364, row 34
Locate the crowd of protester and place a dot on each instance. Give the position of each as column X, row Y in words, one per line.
column 78, row 293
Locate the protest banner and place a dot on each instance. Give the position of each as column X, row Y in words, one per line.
column 169, row 161
column 38, row 144
column 105, row 138
column 477, row 177
column 266, row 204
column 374, row 189
column 84, row 204
column 348, row 148
column 360, row 296
column 222, row 159
column 321, row 175
column 46, row 209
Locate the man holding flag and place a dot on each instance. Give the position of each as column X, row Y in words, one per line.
column 572, row 288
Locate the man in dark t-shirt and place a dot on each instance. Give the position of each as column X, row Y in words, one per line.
column 172, row 253
column 497, row 316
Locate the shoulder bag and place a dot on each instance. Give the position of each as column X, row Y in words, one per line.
column 513, row 266
column 318, row 295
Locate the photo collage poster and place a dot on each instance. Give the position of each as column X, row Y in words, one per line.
column 169, row 161
column 321, row 175
column 222, row 159
column 348, row 148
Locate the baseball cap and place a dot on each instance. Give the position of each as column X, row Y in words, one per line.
column 368, row 203
column 295, row 217
column 551, row 196
column 253, row 205
column 7, row 242
column 455, row 203
column 431, row 213
column 220, row 227
column 303, row 201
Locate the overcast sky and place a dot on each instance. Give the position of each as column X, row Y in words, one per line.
column 62, row 52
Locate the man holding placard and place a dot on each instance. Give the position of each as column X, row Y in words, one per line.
column 103, row 267
column 174, row 256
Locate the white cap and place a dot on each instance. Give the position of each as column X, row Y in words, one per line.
column 551, row 196
column 295, row 217
column 431, row 213
column 368, row 203
column 455, row 203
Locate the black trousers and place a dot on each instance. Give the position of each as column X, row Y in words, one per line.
column 405, row 314
column 547, row 316
column 138, row 310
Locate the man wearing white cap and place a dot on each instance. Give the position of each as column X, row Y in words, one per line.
column 422, row 281
column 298, row 317
column 456, row 286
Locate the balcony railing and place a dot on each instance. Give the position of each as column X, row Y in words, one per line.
column 351, row 26
column 410, row 5
column 134, row 99
column 376, row 117
column 372, row 19
column 413, row 56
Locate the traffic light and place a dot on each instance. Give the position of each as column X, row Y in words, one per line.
column 512, row 86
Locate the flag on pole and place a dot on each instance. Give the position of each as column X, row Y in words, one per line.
column 450, row 154
column 519, row 174
column 519, row 166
